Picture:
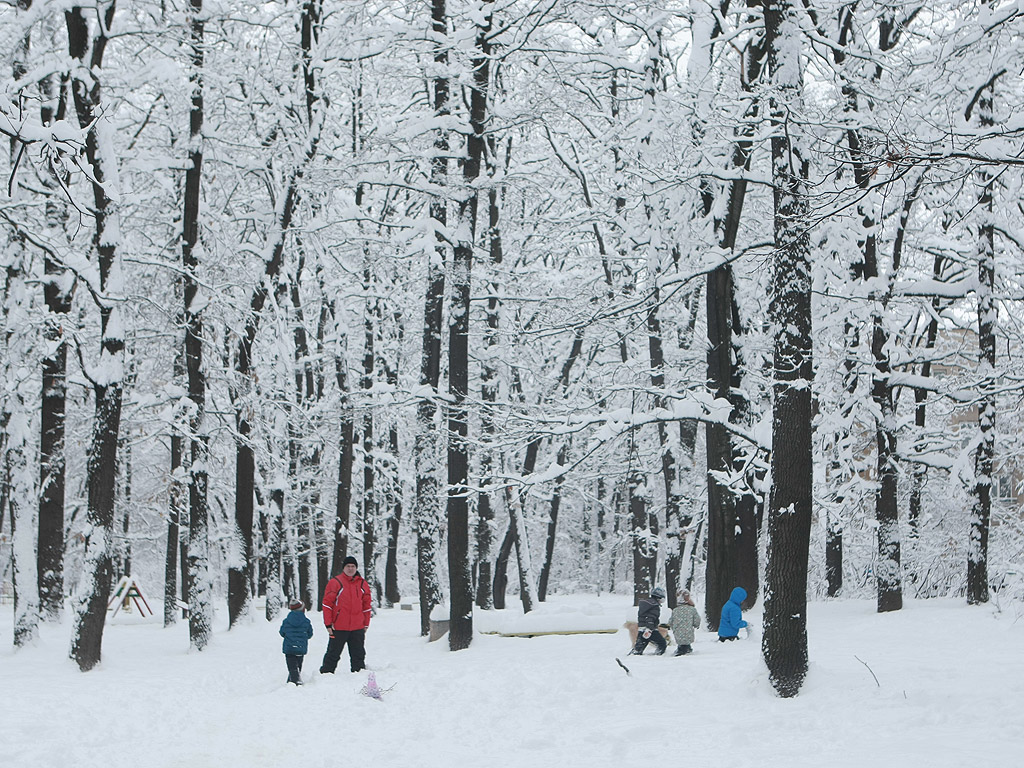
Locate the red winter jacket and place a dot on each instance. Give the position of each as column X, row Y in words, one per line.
column 347, row 603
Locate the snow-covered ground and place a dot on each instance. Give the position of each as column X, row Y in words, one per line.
column 949, row 693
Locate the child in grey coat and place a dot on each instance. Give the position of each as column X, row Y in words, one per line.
column 684, row 621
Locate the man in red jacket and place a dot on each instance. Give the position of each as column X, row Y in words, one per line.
column 347, row 608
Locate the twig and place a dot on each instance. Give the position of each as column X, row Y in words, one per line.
column 869, row 669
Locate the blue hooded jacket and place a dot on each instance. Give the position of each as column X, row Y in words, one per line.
column 732, row 614
column 296, row 630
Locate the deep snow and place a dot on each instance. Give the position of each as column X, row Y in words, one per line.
column 949, row 694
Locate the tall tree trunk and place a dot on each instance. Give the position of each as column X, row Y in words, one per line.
column 175, row 509
column 732, row 534
column 427, row 459
column 200, row 619
column 14, row 425
column 275, row 553
column 981, row 502
column 919, row 476
column 305, row 453
column 549, row 546
column 888, row 568
column 643, row 540
column 125, row 452
column 500, row 580
column 368, row 526
column 94, row 592
column 459, row 567
column 394, row 493
column 394, row 523
column 52, row 458
column 346, row 444
column 834, row 523
column 14, row 419
column 485, row 597
column 784, row 644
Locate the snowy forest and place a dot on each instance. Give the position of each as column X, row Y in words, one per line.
column 509, row 299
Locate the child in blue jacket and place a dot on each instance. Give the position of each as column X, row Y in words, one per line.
column 732, row 616
column 296, row 630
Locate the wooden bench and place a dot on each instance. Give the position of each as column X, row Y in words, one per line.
column 543, row 632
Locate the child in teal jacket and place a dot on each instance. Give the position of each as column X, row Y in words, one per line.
column 296, row 630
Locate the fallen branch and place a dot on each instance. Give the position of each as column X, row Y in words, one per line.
column 869, row 669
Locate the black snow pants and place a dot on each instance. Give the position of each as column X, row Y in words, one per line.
column 356, row 650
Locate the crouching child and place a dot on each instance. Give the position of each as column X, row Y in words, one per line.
column 648, row 618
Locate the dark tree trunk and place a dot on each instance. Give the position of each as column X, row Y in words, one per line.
column 688, row 447
column 344, row 498
column 369, row 500
column 888, row 569
column 459, row 568
column 394, row 493
column 919, row 477
column 984, row 458
column 50, row 560
column 730, row 562
column 91, row 608
column 391, row 592
column 275, row 554
column 549, row 547
column 125, row 452
column 176, row 503
column 52, row 458
column 501, row 566
column 673, row 501
column 784, row 644
column 201, row 588
column 304, row 452
column 428, row 513
column 485, row 597
column 640, row 536
column 721, row 569
column 833, row 558
column 834, row 523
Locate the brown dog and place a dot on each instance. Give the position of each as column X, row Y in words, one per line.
column 633, row 628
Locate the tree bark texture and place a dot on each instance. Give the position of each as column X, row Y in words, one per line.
column 784, row 643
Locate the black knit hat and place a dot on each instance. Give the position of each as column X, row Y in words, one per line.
column 349, row 561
